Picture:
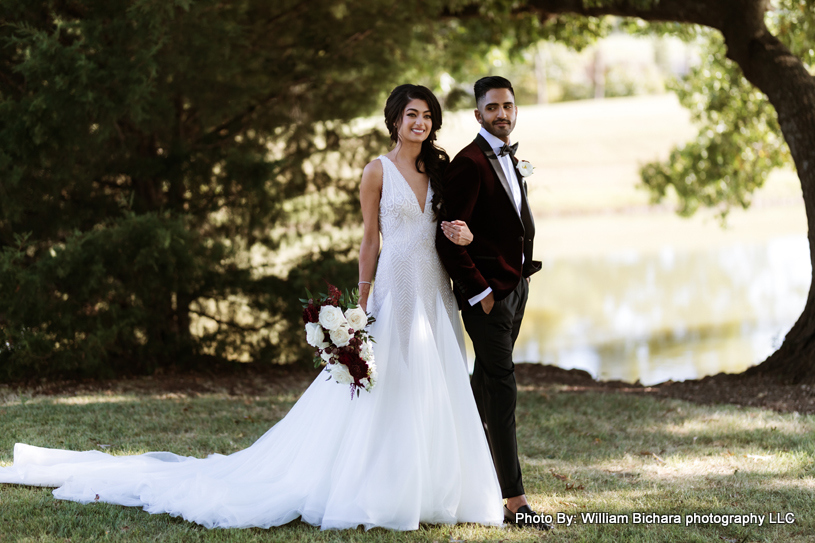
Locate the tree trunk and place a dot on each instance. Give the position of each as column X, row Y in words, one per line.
column 770, row 66
column 773, row 69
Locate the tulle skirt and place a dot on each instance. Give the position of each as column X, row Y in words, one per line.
column 412, row 450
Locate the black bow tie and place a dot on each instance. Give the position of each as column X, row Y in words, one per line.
column 508, row 150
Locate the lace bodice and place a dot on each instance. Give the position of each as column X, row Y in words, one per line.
column 409, row 269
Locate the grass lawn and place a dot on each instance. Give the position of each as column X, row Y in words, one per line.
column 606, row 452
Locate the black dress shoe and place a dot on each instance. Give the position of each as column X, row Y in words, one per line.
column 526, row 517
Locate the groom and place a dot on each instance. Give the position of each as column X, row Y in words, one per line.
column 484, row 188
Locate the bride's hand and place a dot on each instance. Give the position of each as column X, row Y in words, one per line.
column 458, row 232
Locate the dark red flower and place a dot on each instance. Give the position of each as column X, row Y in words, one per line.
column 333, row 295
column 358, row 371
column 311, row 313
column 356, row 366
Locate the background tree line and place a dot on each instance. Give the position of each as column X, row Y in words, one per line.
column 173, row 174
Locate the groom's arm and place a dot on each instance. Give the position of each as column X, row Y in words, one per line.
column 462, row 181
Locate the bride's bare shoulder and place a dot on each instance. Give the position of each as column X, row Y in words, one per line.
column 372, row 174
column 373, row 167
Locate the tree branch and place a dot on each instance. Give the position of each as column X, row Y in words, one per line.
column 225, row 323
column 19, row 86
column 240, row 119
column 713, row 13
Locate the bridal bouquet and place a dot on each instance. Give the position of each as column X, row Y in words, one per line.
column 335, row 326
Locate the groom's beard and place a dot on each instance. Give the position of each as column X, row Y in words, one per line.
column 499, row 129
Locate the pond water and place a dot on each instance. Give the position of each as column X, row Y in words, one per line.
column 666, row 315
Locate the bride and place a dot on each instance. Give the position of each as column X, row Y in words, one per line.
column 412, row 450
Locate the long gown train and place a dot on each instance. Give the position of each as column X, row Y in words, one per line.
column 412, row 450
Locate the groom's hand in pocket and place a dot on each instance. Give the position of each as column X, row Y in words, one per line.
column 487, row 303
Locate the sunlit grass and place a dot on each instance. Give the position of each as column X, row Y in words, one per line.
column 581, row 453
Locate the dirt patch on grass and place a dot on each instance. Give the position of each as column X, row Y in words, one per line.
column 737, row 389
column 248, row 380
column 243, row 380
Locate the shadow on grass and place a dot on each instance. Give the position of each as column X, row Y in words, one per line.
column 599, row 427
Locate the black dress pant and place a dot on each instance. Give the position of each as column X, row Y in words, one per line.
column 493, row 381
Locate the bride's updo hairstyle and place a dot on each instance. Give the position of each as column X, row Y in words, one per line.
column 432, row 160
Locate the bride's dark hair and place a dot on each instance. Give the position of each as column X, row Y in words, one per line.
column 432, row 159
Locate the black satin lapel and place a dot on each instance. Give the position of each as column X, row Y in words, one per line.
column 496, row 167
column 526, row 211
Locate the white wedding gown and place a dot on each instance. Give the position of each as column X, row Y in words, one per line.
column 412, row 450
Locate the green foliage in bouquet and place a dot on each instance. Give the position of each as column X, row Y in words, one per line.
column 346, row 300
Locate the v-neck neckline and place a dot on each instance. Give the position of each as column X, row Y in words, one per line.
column 422, row 208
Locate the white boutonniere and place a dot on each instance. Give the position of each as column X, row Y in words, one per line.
column 526, row 168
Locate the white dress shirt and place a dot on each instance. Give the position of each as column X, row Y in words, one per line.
column 506, row 165
column 509, row 172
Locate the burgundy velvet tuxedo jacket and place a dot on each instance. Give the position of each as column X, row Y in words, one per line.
column 476, row 191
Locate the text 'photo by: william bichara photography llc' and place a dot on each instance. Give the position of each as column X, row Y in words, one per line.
column 687, row 519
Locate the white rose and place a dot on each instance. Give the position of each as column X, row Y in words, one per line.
column 331, row 317
column 526, row 168
column 340, row 337
column 357, row 318
column 340, row 374
column 366, row 352
column 315, row 335
column 326, row 357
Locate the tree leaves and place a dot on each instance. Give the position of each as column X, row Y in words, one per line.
column 739, row 140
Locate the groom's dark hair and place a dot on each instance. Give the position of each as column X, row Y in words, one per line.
column 491, row 82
